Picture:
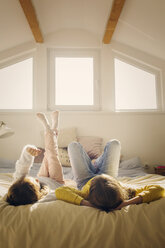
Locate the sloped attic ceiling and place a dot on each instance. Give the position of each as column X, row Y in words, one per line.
column 140, row 25
column 53, row 15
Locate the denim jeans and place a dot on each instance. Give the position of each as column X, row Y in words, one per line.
column 84, row 170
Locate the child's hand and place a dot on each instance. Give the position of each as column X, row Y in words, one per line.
column 134, row 200
column 86, row 203
column 33, row 151
column 123, row 204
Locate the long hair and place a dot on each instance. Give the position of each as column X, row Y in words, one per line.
column 106, row 193
column 23, row 192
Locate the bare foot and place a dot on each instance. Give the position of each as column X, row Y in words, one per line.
column 33, row 151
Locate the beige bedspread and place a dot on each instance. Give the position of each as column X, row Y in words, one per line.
column 62, row 225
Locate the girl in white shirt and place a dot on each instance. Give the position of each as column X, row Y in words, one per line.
column 26, row 189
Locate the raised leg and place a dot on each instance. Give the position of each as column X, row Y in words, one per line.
column 108, row 162
column 51, row 166
column 44, row 171
column 82, row 167
column 55, row 120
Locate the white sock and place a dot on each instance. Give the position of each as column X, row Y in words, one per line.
column 55, row 119
column 44, row 120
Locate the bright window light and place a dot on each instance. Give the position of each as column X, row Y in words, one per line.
column 16, row 84
column 74, row 81
column 134, row 88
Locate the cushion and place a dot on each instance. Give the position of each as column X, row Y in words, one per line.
column 63, row 156
column 66, row 136
column 92, row 145
column 131, row 163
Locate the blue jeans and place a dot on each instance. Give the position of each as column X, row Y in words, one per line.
column 84, row 170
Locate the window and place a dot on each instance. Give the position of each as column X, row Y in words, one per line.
column 79, row 73
column 73, row 80
column 16, row 85
column 135, row 88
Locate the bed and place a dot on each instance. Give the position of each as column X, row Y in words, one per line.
column 62, row 225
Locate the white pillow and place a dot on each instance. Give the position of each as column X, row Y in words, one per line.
column 63, row 156
column 131, row 163
column 66, row 136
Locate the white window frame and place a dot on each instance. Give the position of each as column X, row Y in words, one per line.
column 148, row 68
column 13, row 60
column 52, row 54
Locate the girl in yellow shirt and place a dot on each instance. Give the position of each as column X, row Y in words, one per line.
column 96, row 186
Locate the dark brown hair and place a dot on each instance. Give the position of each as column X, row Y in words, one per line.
column 23, row 192
column 106, row 193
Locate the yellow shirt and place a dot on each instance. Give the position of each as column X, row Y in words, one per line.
column 148, row 193
column 73, row 195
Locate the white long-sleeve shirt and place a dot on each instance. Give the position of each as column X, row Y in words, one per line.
column 22, row 168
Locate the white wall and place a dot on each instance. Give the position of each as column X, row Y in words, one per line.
column 141, row 134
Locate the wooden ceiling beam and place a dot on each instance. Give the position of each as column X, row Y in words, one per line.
column 31, row 17
column 113, row 19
